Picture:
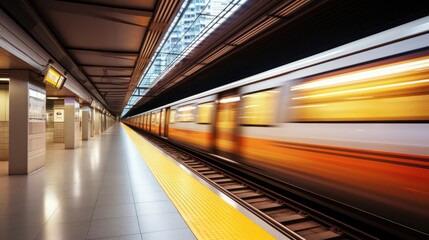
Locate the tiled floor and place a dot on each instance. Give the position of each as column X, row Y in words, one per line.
column 101, row 190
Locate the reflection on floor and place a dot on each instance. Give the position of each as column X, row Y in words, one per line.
column 4, row 168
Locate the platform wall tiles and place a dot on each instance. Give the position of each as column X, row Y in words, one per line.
column 4, row 123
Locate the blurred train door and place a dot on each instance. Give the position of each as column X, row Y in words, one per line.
column 226, row 126
column 162, row 123
column 166, row 121
column 149, row 123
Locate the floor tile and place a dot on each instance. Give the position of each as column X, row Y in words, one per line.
column 17, row 221
column 63, row 215
column 176, row 234
column 145, row 208
column 113, row 227
column 125, row 237
column 27, row 233
column 115, row 190
column 114, row 211
column 78, row 202
column 115, row 199
column 64, row 231
column 161, row 222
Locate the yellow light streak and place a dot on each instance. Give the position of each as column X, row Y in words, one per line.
column 368, row 74
column 362, row 89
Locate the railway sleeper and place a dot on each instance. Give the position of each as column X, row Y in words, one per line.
column 208, row 172
column 266, row 206
column 231, row 187
column 297, row 227
column 196, row 165
column 262, row 199
column 202, row 169
column 289, row 219
column 223, row 180
column 280, row 212
column 248, row 195
column 324, row 235
column 215, row 176
column 319, row 233
column 185, row 157
column 191, row 161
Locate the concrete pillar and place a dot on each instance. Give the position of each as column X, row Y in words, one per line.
column 71, row 123
column 86, row 123
column 102, row 122
column 4, row 122
column 27, row 132
column 97, row 121
column 58, row 121
column 92, row 116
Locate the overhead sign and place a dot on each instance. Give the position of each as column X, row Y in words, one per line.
column 54, row 78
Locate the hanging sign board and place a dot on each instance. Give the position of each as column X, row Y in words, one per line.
column 54, row 78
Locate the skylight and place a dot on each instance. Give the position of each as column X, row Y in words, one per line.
column 194, row 22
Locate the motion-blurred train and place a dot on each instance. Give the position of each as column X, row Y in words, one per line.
column 350, row 124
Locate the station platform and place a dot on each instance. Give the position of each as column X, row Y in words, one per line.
column 116, row 186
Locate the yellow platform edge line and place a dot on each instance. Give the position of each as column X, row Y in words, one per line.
column 207, row 215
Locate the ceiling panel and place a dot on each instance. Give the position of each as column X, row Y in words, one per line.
column 9, row 61
column 111, row 59
column 96, row 40
column 106, row 71
column 115, row 79
column 134, row 4
column 89, row 26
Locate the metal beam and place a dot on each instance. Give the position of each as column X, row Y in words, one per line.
column 101, row 51
column 108, row 67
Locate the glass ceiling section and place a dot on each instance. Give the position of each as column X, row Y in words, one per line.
column 194, row 22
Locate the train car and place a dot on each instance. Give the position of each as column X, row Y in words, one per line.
column 191, row 122
column 350, row 124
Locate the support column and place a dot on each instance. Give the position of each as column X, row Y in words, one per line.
column 4, row 122
column 71, row 123
column 101, row 122
column 92, row 117
column 58, row 121
column 86, row 122
column 97, row 122
column 27, row 133
column 104, row 122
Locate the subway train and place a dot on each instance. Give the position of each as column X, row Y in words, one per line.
column 350, row 124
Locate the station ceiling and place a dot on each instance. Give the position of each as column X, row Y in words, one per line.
column 107, row 44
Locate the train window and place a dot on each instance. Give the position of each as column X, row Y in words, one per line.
column 394, row 90
column 185, row 113
column 172, row 116
column 226, row 118
column 154, row 118
column 205, row 111
column 260, row 108
column 157, row 117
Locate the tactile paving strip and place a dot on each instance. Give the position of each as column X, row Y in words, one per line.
column 207, row 214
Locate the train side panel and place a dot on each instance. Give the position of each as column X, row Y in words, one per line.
column 191, row 123
column 351, row 136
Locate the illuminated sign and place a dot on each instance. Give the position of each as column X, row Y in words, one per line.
column 54, row 78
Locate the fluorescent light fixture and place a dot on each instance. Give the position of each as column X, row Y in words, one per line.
column 4, row 79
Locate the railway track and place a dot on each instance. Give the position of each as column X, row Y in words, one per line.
column 285, row 210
